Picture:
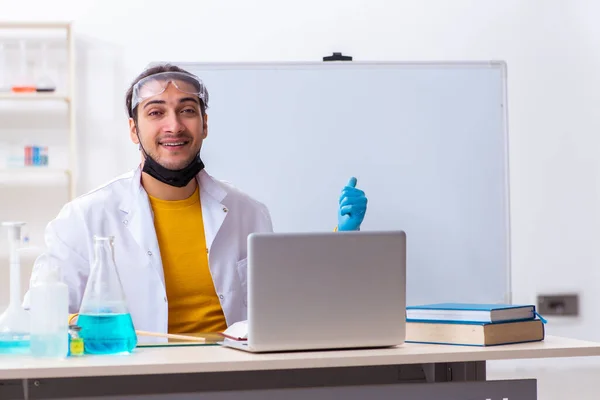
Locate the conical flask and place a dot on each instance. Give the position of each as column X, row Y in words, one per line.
column 106, row 325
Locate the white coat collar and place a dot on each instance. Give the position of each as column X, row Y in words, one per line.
column 206, row 182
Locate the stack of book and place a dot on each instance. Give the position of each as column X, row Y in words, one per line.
column 473, row 324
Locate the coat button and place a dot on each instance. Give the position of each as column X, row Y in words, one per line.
column 149, row 253
column 125, row 222
column 224, row 209
column 221, row 297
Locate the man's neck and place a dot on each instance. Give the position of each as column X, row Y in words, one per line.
column 162, row 191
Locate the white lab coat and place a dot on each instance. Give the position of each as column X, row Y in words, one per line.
column 121, row 209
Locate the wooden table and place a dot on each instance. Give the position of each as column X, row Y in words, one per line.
column 183, row 371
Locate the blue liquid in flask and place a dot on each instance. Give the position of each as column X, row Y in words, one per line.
column 107, row 333
column 14, row 343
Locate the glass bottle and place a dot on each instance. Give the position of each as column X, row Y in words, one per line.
column 44, row 82
column 24, row 82
column 15, row 322
column 106, row 325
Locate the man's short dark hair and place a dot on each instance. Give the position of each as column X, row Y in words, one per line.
column 149, row 72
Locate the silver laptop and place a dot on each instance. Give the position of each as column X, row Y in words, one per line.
column 332, row 290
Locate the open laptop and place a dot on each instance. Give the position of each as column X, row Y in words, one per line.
column 332, row 290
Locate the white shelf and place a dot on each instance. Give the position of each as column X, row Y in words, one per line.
column 43, row 176
column 33, row 176
column 35, row 25
column 33, row 96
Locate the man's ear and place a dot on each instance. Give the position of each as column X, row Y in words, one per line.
column 205, row 126
column 133, row 132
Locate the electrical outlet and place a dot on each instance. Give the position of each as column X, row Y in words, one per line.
column 558, row 304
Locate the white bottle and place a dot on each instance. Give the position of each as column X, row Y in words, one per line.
column 49, row 309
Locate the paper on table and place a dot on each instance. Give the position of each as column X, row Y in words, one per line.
column 237, row 331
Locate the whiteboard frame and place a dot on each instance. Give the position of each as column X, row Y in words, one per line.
column 501, row 64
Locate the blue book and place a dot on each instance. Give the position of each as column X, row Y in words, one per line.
column 467, row 312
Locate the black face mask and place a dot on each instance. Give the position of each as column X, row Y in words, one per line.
column 172, row 177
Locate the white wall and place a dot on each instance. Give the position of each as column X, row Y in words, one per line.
column 551, row 48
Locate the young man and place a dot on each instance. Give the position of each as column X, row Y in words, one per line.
column 180, row 235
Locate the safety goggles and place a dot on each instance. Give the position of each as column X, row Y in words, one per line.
column 154, row 85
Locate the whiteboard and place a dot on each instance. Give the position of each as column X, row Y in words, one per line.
column 426, row 141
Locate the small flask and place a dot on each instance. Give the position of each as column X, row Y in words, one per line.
column 106, row 325
column 49, row 312
column 75, row 341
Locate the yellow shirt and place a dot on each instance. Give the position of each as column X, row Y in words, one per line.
column 193, row 302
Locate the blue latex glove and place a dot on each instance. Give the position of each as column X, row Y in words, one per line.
column 353, row 206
